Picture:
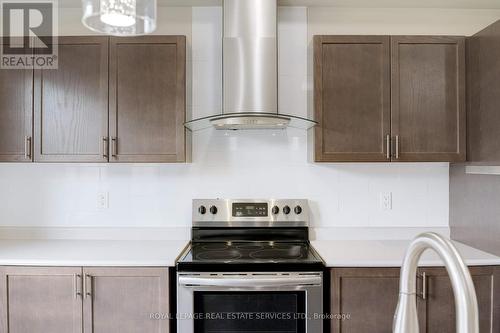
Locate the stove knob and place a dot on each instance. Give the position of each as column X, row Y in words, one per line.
column 202, row 210
column 213, row 210
column 297, row 210
column 286, row 210
column 275, row 210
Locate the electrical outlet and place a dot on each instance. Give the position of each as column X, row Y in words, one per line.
column 103, row 200
column 386, row 201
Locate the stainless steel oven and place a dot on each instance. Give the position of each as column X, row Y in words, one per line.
column 286, row 302
column 250, row 268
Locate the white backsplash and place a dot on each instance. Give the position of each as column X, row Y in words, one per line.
column 235, row 166
column 228, row 164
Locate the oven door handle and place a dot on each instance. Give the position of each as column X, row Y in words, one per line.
column 193, row 281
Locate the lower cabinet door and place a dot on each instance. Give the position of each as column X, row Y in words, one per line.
column 367, row 299
column 439, row 310
column 125, row 300
column 364, row 300
column 40, row 300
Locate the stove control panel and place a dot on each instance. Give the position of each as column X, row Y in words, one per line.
column 250, row 209
column 250, row 212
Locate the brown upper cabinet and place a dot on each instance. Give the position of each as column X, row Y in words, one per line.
column 16, row 114
column 428, row 98
column 380, row 98
column 483, row 99
column 147, row 99
column 110, row 99
column 71, row 108
column 352, row 98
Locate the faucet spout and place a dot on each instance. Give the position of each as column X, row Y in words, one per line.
column 405, row 318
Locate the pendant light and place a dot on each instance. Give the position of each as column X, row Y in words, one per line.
column 120, row 17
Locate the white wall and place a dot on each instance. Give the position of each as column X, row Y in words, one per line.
column 242, row 164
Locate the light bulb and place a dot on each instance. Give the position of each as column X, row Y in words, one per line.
column 117, row 19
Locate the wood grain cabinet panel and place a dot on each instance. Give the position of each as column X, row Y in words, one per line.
column 483, row 99
column 352, row 98
column 123, row 299
column 71, row 103
column 147, row 99
column 40, row 300
column 428, row 98
column 16, row 114
column 439, row 310
column 381, row 98
column 370, row 295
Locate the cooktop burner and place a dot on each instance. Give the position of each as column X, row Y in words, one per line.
column 278, row 254
column 207, row 255
column 214, row 246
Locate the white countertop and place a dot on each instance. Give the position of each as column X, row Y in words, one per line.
column 336, row 253
column 90, row 252
column 389, row 253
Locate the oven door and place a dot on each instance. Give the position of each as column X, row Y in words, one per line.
column 249, row 302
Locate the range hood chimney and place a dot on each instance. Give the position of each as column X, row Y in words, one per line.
column 250, row 70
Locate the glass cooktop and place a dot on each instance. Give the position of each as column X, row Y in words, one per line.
column 249, row 252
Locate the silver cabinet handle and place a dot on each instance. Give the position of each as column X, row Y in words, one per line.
column 397, row 147
column 87, row 287
column 76, row 285
column 388, row 146
column 250, row 283
column 105, row 147
column 114, row 146
column 423, row 276
column 424, row 285
column 27, row 147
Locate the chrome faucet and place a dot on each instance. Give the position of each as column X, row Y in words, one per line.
column 405, row 319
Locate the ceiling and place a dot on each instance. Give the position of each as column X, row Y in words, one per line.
column 463, row 4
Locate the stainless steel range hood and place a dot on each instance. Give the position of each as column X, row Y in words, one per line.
column 250, row 70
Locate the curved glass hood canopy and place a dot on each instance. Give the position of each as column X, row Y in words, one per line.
column 250, row 71
column 252, row 120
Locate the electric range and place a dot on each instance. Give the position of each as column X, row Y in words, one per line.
column 250, row 267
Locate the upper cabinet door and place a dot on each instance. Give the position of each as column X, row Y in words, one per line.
column 428, row 98
column 352, row 98
column 147, row 99
column 483, row 99
column 16, row 114
column 71, row 104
